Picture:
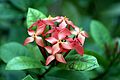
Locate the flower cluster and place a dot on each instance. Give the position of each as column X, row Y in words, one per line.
column 57, row 36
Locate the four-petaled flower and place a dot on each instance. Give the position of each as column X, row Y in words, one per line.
column 35, row 36
column 58, row 56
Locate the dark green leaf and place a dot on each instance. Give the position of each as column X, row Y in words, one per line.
column 11, row 50
column 33, row 15
column 99, row 33
column 28, row 77
column 7, row 12
column 58, row 74
column 22, row 4
column 73, row 15
column 22, row 62
column 9, row 75
column 112, row 11
column 77, row 62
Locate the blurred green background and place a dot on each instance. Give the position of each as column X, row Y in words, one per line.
column 81, row 12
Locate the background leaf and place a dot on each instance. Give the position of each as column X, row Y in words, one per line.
column 11, row 50
column 22, row 62
column 13, row 14
column 99, row 33
column 22, row 4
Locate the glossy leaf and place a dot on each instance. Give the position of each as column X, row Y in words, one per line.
column 101, row 60
column 11, row 50
column 33, row 15
column 22, row 62
column 99, row 33
column 28, row 77
column 36, row 52
column 80, row 63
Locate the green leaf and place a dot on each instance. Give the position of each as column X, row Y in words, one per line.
column 101, row 60
column 82, row 63
column 13, row 14
column 58, row 74
column 10, row 74
column 33, row 15
column 22, row 4
column 99, row 33
column 11, row 50
column 73, row 15
column 22, row 62
column 28, row 77
column 36, row 52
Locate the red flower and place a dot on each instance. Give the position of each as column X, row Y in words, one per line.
column 59, row 42
column 76, row 45
column 35, row 36
column 58, row 56
column 80, row 35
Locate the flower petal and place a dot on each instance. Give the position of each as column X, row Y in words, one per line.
column 50, row 31
column 63, row 33
column 84, row 33
column 56, row 48
column 49, row 59
column 63, row 24
column 48, row 22
column 74, row 32
column 70, row 40
column 77, row 29
column 70, row 23
column 34, row 24
column 31, row 32
column 81, row 39
column 49, row 49
column 66, row 45
column 51, row 40
column 40, row 29
column 28, row 40
column 79, row 48
column 39, row 41
column 60, row 58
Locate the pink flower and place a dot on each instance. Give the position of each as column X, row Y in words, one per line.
column 59, row 35
column 76, row 45
column 63, row 22
column 42, row 23
column 35, row 36
column 59, row 42
column 80, row 35
column 59, row 57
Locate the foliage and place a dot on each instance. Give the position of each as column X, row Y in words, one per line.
column 99, row 18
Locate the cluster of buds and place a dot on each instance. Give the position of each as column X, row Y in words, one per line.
column 57, row 36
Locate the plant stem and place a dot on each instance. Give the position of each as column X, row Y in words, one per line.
column 66, row 53
column 40, row 76
column 43, row 52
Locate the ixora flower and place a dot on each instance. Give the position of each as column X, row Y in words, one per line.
column 56, row 39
